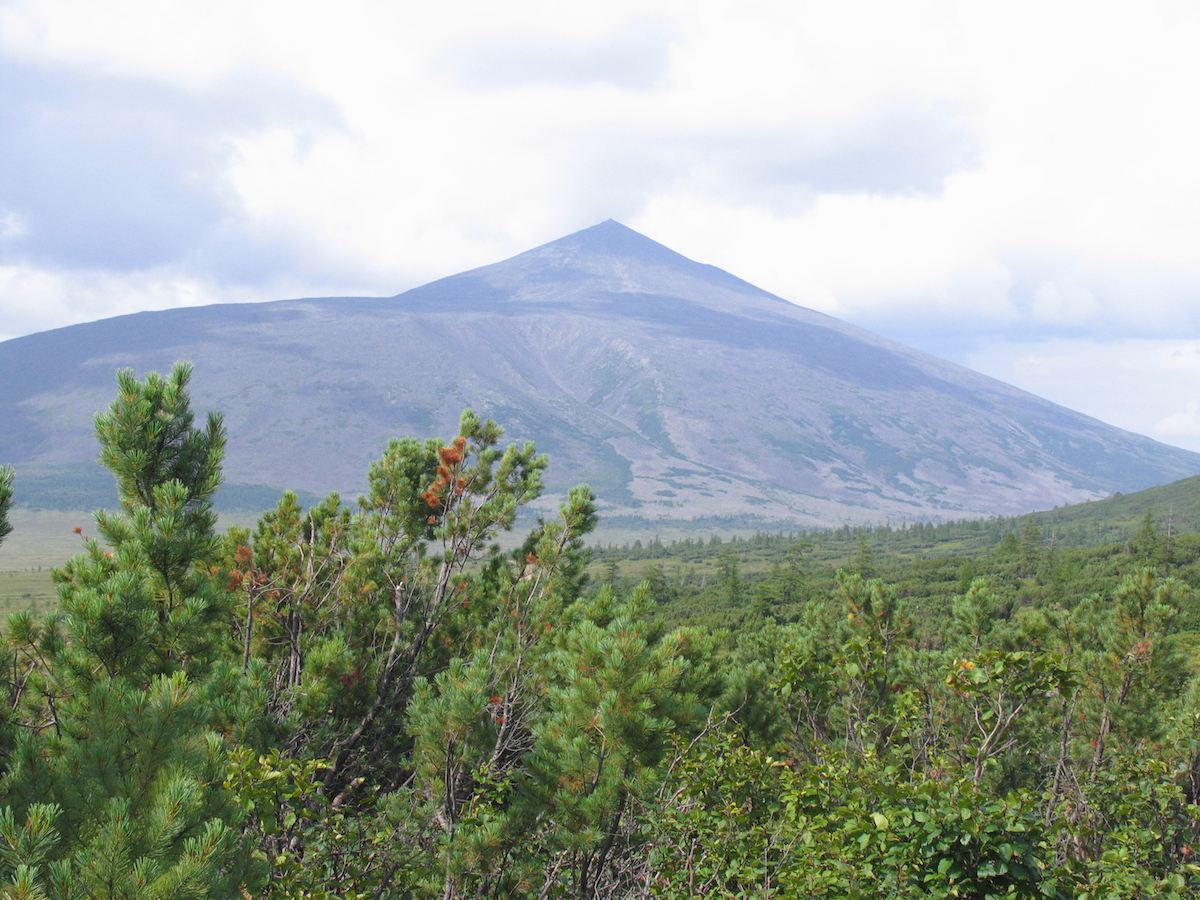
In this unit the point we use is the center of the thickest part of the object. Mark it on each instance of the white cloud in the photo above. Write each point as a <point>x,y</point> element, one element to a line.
<point>1063,301</point>
<point>43,299</point>
<point>1143,385</point>
<point>635,57</point>
<point>1183,427</point>
<point>12,226</point>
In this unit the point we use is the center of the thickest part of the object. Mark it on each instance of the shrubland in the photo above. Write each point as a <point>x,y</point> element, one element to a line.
<point>376,700</point>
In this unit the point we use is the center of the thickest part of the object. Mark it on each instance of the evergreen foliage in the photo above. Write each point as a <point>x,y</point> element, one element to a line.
<point>6,496</point>
<point>378,701</point>
<point>116,767</point>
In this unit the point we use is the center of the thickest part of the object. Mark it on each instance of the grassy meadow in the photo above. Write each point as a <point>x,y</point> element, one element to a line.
<point>42,540</point>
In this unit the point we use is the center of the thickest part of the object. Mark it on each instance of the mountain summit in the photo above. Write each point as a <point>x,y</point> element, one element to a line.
<point>676,389</point>
<point>600,262</point>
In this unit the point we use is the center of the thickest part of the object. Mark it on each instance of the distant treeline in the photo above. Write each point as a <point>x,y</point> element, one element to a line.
<point>86,486</point>
<point>1175,508</point>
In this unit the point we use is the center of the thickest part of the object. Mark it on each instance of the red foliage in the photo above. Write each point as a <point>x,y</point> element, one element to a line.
<point>448,457</point>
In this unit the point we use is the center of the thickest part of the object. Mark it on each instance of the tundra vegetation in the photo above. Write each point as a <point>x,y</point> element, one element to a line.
<point>375,700</point>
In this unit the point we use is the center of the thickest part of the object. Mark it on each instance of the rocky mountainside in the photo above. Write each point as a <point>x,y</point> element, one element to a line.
<point>675,389</point>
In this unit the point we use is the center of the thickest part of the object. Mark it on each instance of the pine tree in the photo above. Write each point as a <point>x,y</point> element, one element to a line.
<point>863,562</point>
<point>729,580</point>
<point>620,688</point>
<point>117,776</point>
<point>1030,549</point>
<point>409,660</point>
<point>1146,543</point>
<point>6,494</point>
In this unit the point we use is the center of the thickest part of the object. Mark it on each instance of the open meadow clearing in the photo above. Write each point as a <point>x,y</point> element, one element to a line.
<point>40,540</point>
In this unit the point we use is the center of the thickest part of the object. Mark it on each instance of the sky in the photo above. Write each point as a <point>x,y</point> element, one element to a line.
<point>1012,186</point>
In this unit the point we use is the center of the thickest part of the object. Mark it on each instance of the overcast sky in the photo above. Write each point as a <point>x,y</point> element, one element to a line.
<point>1014,186</point>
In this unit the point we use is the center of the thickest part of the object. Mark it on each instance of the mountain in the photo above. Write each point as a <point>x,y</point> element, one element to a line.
<point>677,390</point>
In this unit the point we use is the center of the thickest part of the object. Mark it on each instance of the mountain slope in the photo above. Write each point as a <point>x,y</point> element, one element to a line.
<point>676,389</point>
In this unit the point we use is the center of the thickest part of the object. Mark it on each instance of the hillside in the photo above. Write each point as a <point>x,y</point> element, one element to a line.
<point>681,393</point>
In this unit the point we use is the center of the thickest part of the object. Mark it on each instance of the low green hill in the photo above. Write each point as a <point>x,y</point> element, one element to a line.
<point>1175,507</point>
